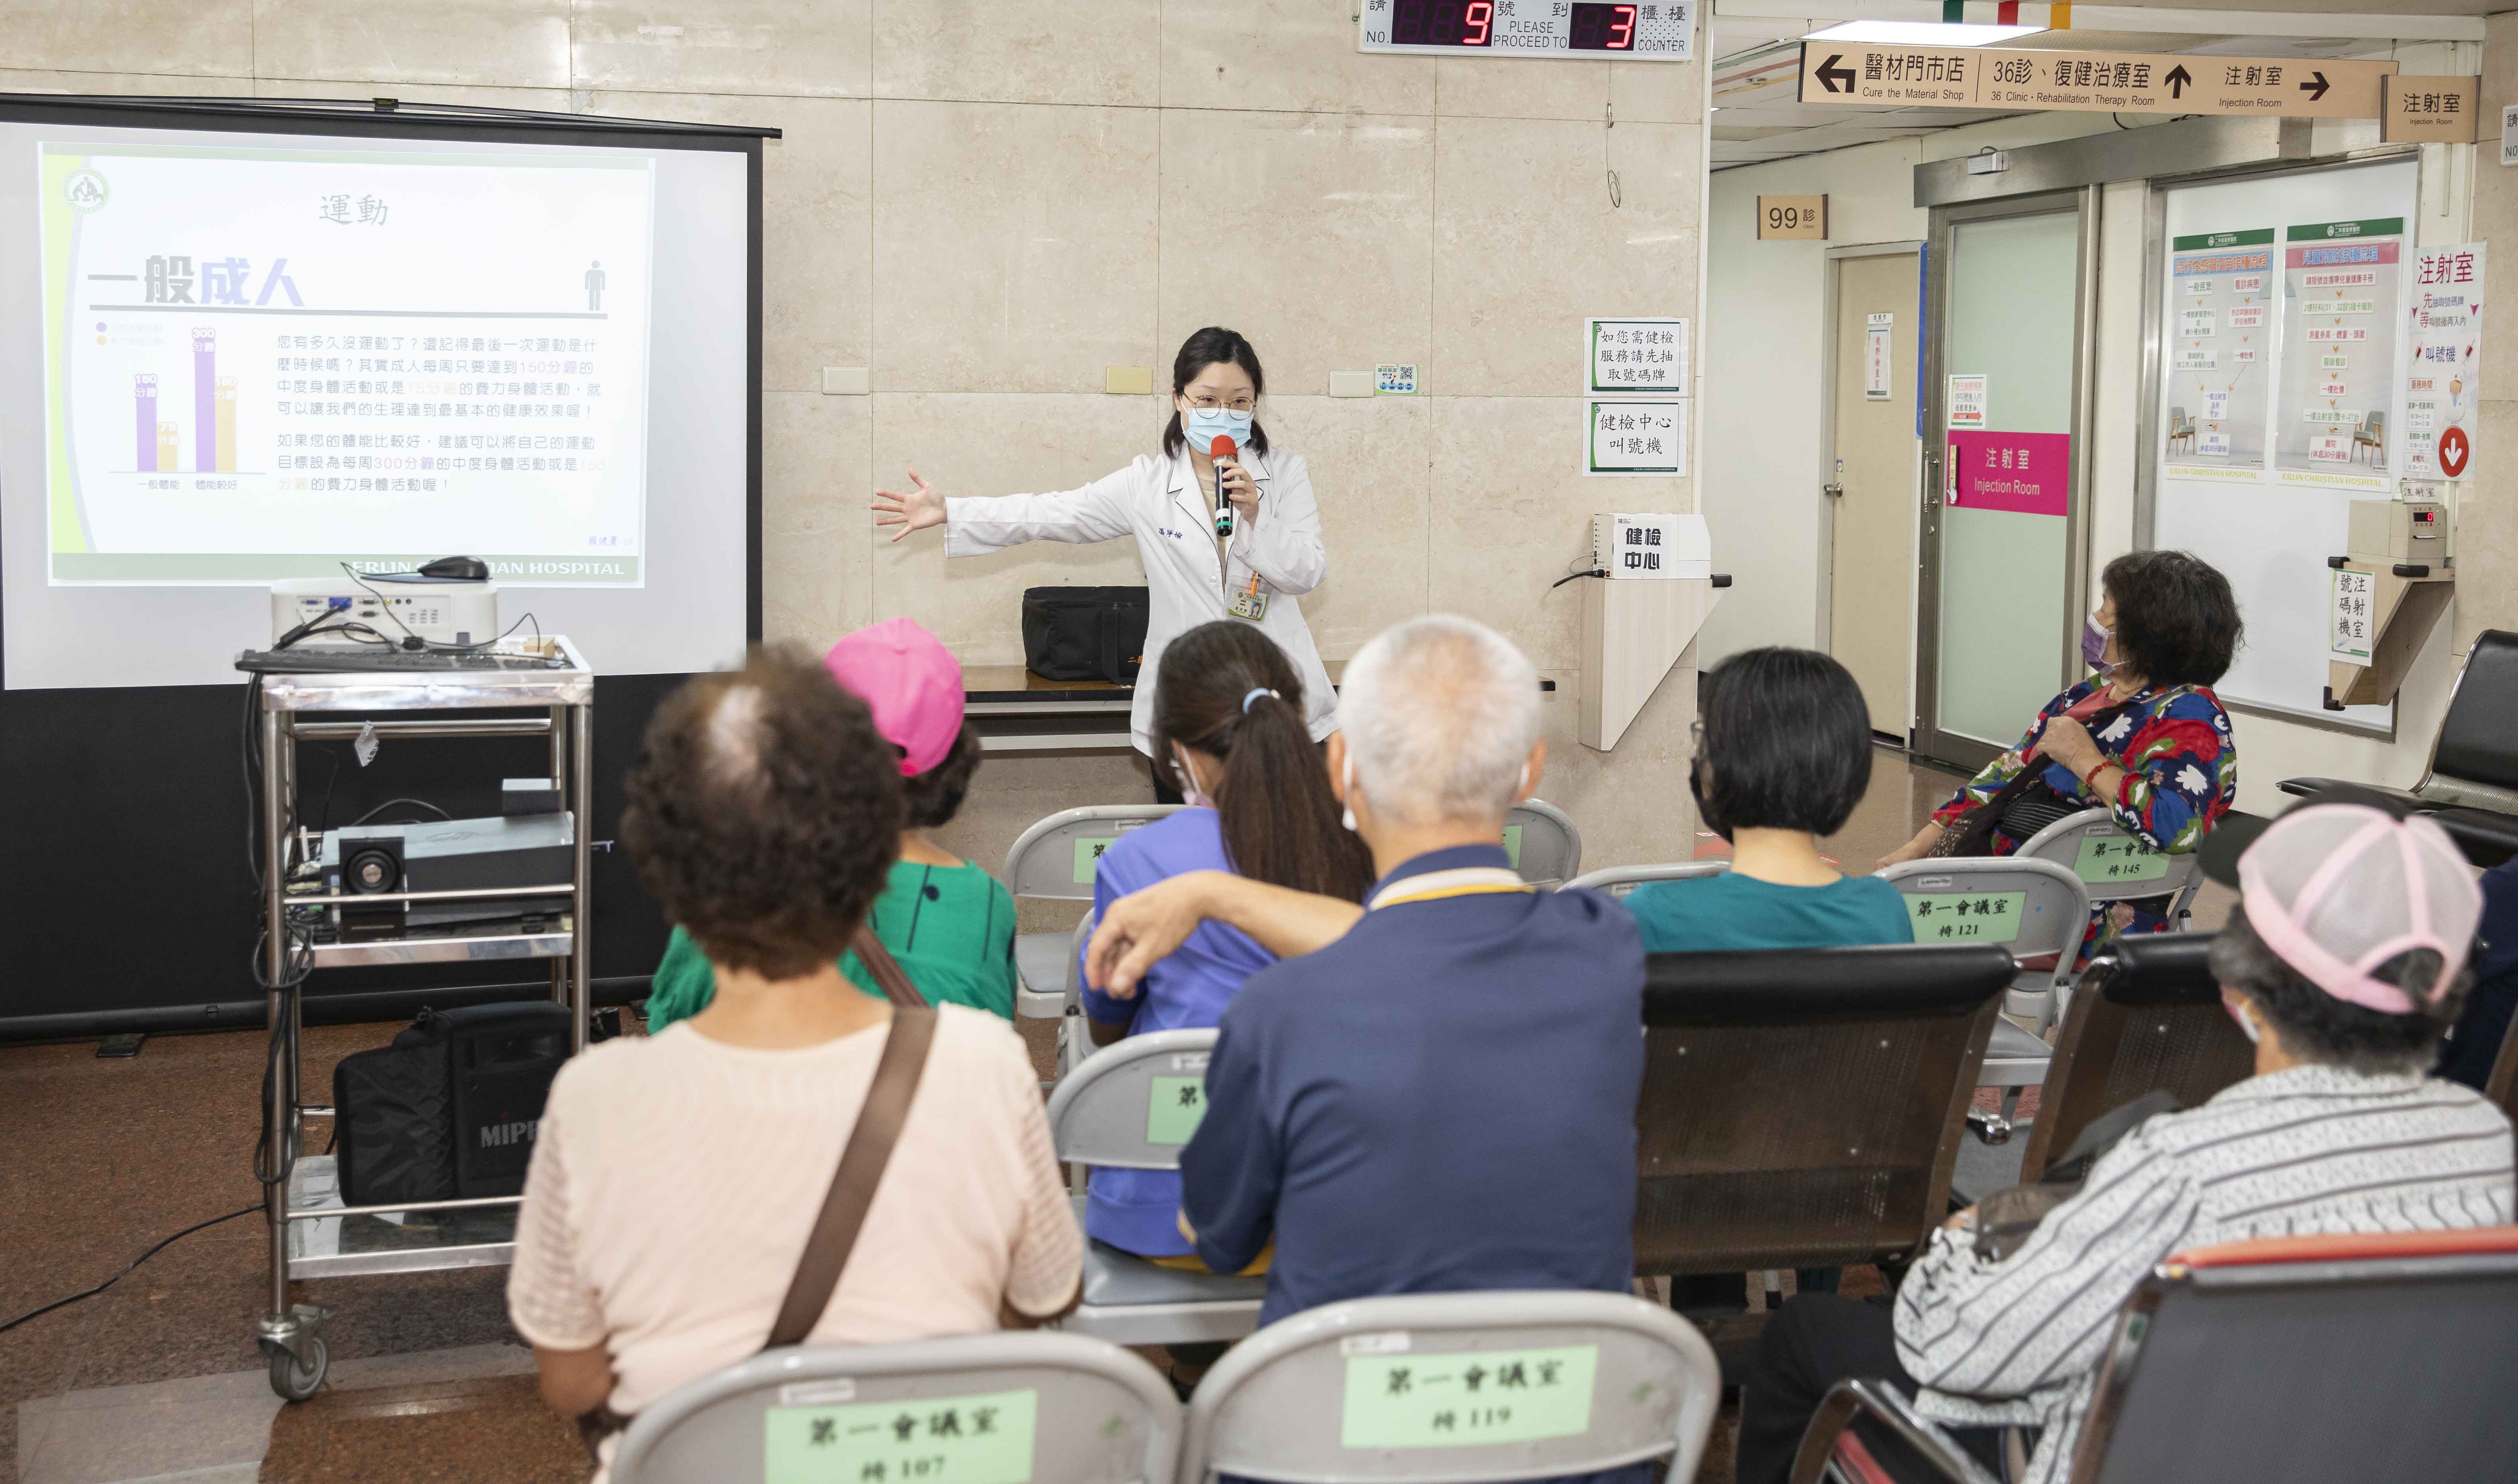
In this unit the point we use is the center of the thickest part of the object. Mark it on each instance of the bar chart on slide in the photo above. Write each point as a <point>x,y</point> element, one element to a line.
<point>158,444</point>
<point>264,363</point>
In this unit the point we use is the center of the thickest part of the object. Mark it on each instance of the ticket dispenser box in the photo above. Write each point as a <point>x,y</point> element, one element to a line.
<point>2400,531</point>
<point>1656,583</point>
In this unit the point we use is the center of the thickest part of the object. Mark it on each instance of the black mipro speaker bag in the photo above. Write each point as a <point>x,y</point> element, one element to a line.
<point>449,1110</point>
<point>1085,634</point>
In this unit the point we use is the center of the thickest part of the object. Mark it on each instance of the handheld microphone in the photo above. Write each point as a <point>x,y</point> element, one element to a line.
<point>1221,449</point>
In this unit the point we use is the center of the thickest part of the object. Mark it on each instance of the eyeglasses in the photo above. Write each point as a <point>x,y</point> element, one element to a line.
<point>1207,403</point>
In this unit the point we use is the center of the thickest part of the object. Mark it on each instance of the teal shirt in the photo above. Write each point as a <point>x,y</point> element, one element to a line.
<point>1711,913</point>
<point>952,928</point>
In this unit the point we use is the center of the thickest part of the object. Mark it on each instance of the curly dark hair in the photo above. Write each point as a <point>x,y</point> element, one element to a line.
<point>764,813</point>
<point>2176,621</point>
<point>933,798</point>
<point>2315,1024</point>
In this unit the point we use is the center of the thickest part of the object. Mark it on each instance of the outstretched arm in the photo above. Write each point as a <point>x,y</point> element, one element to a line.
<point>1142,929</point>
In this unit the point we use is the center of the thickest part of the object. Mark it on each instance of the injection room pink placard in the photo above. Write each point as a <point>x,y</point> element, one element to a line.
<point>2028,473</point>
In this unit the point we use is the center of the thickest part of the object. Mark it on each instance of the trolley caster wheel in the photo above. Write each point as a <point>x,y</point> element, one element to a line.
<point>294,1379</point>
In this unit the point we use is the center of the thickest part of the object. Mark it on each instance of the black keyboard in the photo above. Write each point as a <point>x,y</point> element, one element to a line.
<point>330,660</point>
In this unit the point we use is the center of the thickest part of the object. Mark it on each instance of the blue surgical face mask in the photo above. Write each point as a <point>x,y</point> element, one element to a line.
<point>2094,645</point>
<point>1202,424</point>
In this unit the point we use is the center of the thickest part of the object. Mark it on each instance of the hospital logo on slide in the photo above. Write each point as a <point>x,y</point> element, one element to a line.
<point>85,191</point>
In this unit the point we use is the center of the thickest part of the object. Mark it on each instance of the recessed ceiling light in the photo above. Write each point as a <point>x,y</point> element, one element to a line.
<point>1921,33</point>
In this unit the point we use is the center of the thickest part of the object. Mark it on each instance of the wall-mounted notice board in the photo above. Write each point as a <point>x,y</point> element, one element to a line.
<point>2281,399</point>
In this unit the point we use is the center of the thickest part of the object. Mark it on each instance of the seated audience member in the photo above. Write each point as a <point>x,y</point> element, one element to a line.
<point>948,922</point>
<point>1228,721</point>
<point>1783,755</point>
<point>1440,1093</point>
<point>2474,1046</point>
<point>2156,750</point>
<point>2344,962</point>
<point>676,1177</point>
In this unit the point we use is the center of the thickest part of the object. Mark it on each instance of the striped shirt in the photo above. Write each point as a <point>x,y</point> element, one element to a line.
<point>2305,1152</point>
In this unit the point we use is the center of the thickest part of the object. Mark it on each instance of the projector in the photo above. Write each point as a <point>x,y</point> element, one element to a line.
<point>442,613</point>
<point>448,855</point>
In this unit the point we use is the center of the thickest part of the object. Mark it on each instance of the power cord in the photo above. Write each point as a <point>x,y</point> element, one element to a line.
<point>1572,576</point>
<point>128,1268</point>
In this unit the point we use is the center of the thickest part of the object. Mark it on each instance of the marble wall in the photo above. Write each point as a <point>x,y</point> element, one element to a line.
<point>985,203</point>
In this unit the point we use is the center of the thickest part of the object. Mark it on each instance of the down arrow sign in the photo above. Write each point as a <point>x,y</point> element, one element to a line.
<point>2315,87</point>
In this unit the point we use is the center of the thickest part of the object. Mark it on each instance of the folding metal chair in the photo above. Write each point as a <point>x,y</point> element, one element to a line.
<point>1621,882</point>
<point>1012,1406</point>
<point>1457,1386</point>
<point>2311,1360</point>
<point>2035,908</point>
<point>1544,846</point>
<point>1055,861</point>
<point>1133,1106</point>
<point>2115,866</point>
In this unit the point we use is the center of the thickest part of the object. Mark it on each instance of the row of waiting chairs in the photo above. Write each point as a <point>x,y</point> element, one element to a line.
<point>2309,1360</point>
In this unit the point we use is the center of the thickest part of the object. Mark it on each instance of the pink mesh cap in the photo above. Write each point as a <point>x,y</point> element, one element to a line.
<point>911,682</point>
<point>2336,889</point>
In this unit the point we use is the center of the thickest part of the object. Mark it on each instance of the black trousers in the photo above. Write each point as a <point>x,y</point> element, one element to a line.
<point>1814,1341</point>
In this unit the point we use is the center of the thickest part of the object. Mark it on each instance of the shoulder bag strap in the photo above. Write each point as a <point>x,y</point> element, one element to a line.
<point>861,1165</point>
<point>887,970</point>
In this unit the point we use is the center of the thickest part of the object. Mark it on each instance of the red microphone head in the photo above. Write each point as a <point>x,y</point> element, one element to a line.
<point>1222,447</point>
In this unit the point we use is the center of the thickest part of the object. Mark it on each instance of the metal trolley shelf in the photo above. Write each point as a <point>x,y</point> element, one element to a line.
<point>313,1233</point>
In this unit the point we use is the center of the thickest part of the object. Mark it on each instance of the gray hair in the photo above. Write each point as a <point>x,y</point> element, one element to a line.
<point>2315,1026</point>
<point>1440,713</point>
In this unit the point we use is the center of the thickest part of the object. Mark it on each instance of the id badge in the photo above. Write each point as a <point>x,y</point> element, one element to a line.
<point>1249,604</point>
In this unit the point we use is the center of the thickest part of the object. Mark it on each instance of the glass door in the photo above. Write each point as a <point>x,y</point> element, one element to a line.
<point>2009,289</point>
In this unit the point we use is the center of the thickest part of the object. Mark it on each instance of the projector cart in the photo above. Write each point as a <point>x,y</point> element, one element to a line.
<point>313,1233</point>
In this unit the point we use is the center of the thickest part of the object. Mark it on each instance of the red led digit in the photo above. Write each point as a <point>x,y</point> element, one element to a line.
<point>1622,27</point>
<point>1479,20</point>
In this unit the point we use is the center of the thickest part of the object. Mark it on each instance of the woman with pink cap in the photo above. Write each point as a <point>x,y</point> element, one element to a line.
<point>2344,963</point>
<point>949,923</point>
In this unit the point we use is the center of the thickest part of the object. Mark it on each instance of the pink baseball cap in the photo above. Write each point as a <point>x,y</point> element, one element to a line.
<point>2336,889</point>
<point>911,682</point>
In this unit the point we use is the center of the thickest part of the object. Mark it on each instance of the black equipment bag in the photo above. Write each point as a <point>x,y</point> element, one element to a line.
<point>449,1110</point>
<point>1085,634</point>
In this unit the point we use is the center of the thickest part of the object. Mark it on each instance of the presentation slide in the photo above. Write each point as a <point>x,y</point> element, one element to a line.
<point>234,354</point>
<point>260,364</point>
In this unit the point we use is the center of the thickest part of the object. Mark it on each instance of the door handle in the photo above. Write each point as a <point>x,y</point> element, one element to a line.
<point>1832,491</point>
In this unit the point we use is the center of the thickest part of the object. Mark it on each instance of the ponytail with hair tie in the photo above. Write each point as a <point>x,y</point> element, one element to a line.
<point>1256,692</point>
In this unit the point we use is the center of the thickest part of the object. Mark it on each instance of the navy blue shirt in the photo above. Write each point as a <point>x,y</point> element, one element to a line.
<point>2475,1044</point>
<point>1441,1099</point>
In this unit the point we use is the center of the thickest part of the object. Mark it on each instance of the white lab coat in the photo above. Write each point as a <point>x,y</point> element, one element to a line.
<point>1162,503</point>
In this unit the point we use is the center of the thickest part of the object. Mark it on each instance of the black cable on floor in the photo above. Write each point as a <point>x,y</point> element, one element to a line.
<point>127,1271</point>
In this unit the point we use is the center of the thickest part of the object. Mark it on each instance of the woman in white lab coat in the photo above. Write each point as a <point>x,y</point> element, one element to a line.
<point>1167,502</point>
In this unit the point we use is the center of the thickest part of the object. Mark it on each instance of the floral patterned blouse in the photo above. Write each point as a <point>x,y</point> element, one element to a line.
<point>2181,775</point>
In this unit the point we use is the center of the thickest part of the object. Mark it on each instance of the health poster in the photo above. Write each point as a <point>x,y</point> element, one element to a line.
<point>2342,282</point>
<point>2220,337</point>
<point>2444,317</point>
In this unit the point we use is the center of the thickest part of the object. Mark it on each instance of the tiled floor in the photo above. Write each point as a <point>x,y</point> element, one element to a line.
<point>158,1378</point>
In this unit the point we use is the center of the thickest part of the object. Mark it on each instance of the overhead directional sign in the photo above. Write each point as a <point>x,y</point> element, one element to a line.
<point>2089,82</point>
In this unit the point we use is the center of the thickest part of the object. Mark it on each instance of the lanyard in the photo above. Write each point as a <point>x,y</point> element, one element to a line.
<point>1466,881</point>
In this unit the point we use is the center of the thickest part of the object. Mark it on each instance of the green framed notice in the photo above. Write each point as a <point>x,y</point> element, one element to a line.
<point>979,1439</point>
<point>1466,1399</point>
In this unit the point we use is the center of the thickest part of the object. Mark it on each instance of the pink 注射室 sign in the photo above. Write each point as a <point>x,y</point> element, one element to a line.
<point>2026,472</point>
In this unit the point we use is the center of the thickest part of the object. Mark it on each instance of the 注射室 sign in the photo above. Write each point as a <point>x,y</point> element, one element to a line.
<point>2026,473</point>
<point>1643,355</point>
<point>1637,438</point>
<point>1865,73</point>
<point>2349,596</point>
<point>2444,317</point>
<point>2430,111</point>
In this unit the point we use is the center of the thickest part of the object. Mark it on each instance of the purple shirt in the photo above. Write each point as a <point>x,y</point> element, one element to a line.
<point>1137,1210</point>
